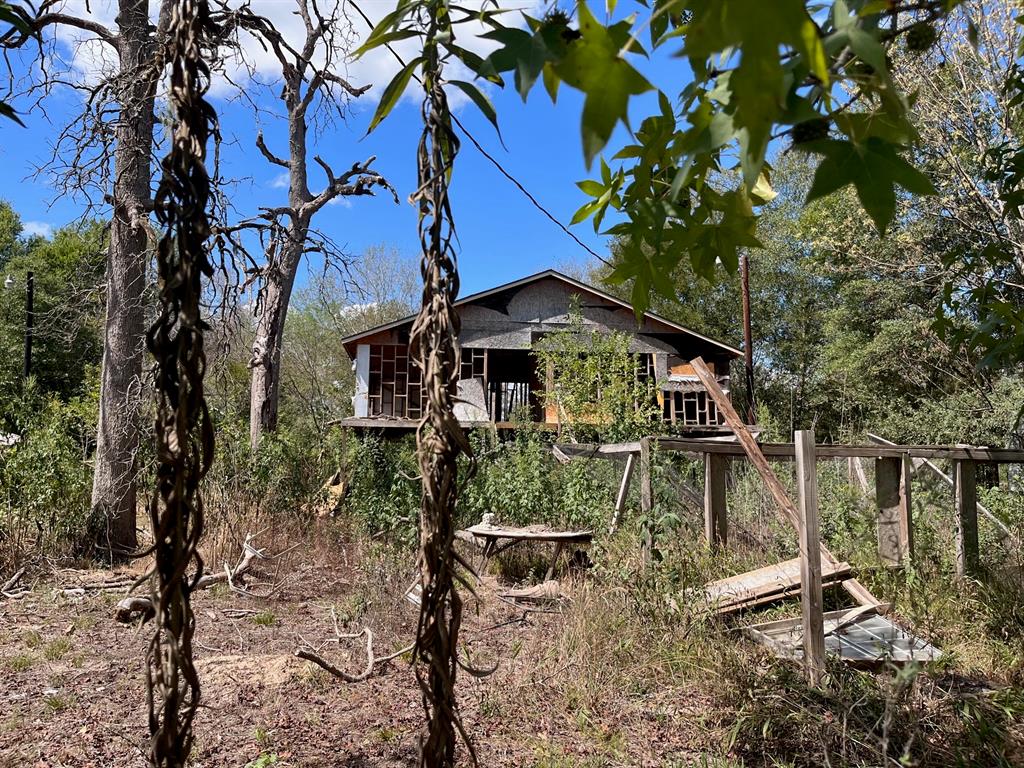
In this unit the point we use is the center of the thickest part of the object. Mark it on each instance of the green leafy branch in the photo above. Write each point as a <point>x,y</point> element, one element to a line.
<point>691,178</point>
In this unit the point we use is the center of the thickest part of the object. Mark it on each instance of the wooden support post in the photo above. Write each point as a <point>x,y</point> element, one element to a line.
<point>715,518</point>
<point>811,598</point>
<point>646,499</point>
<point>892,495</point>
<point>620,500</point>
<point>965,492</point>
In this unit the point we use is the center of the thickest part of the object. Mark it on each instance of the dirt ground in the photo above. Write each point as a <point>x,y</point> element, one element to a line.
<point>74,691</point>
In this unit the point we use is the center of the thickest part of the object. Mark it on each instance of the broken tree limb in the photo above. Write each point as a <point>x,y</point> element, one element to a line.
<point>309,655</point>
<point>788,509</point>
<point>307,652</point>
<point>12,582</point>
<point>249,554</point>
<point>132,606</point>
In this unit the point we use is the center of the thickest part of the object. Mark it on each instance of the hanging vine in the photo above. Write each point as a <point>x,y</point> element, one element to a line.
<point>439,438</point>
<point>184,432</point>
<point>434,345</point>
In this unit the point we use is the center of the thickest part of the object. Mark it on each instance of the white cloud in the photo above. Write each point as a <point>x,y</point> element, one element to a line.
<point>280,181</point>
<point>40,228</point>
<point>90,60</point>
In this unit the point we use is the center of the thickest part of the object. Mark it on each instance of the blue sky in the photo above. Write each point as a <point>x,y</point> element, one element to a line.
<point>501,235</point>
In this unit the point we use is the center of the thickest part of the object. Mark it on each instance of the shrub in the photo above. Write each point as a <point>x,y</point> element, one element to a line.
<point>45,482</point>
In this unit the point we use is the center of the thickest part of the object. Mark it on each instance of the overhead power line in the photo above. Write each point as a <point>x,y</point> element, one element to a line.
<point>494,161</point>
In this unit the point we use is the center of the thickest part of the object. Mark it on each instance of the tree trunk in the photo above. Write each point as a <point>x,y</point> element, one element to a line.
<point>113,490</point>
<point>265,388</point>
<point>279,277</point>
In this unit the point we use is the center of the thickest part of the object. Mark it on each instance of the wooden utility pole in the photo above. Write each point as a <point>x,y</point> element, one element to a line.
<point>29,315</point>
<point>810,558</point>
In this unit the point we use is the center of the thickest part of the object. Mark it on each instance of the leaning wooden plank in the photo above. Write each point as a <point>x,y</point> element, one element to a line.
<point>620,500</point>
<point>789,511</point>
<point>560,455</point>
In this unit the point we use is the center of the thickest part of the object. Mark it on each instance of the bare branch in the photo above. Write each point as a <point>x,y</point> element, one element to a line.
<point>261,145</point>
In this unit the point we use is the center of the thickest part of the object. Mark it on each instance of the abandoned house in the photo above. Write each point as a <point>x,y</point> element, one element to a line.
<point>499,378</point>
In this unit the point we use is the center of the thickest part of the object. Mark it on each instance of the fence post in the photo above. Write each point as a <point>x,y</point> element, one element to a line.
<point>965,492</point>
<point>646,499</point>
<point>892,497</point>
<point>716,524</point>
<point>810,558</point>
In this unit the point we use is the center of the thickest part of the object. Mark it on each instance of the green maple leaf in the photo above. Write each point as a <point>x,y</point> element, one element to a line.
<point>759,84</point>
<point>874,167</point>
<point>593,65</point>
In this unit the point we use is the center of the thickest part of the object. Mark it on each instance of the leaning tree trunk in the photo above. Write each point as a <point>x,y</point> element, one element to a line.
<point>113,490</point>
<point>272,311</point>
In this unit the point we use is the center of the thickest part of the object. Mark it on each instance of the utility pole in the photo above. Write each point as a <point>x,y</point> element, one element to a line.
<point>29,296</point>
<point>748,348</point>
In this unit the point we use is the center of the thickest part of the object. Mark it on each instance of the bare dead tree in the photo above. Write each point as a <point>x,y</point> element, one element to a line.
<point>311,87</point>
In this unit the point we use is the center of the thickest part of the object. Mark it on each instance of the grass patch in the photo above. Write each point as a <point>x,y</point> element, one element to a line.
<point>56,649</point>
<point>264,619</point>
<point>32,639</point>
<point>19,662</point>
<point>58,703</point>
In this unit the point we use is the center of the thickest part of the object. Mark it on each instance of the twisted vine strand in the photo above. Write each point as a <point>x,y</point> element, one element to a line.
<point>439,438</point>
<point>184,432</point>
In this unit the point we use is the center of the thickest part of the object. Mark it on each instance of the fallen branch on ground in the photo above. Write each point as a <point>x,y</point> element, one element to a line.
<point>130,607</point>
<point>307,652</point>
<point>8,588</point>
<point>133,606</point>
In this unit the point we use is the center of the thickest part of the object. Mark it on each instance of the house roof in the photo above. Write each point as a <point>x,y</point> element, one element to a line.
<point>347,341</point>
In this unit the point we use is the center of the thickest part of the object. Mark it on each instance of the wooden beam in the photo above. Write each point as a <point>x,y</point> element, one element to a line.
<point>788,510</point>
<point>716,526</point>
<point>784,451</point>
<point>855,473</point>
<point>906,507</point>
<point>811,599</point>
<point>620,500</point>
<point>646,499</point>
<point>966,501</point>
<point>598,451</point>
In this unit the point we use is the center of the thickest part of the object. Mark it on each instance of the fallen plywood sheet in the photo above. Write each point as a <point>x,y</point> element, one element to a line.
<point>768,583</point>
<point>861,637</point>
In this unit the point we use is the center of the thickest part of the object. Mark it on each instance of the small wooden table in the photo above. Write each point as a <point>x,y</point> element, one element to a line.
<point>509,537</point>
